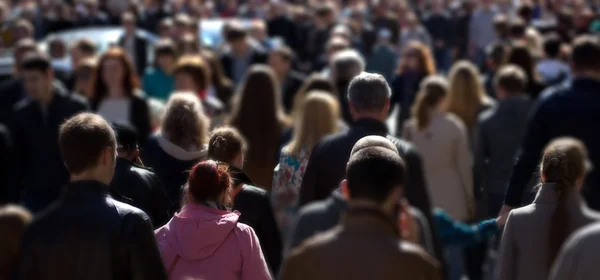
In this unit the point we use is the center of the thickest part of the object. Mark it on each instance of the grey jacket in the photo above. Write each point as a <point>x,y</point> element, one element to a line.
<point>578,258</point>
<point>524,251</point>
<point>499,133</point>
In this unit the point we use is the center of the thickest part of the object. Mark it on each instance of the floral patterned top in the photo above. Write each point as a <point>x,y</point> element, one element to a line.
<point>287,180</point>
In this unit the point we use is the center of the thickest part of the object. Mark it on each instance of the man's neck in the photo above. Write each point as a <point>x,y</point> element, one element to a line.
<point>86,176</point>
<point>373,116</point>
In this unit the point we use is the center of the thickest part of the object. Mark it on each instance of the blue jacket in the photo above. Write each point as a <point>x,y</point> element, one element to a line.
<point>571,110</point>
<point>453,232</point>
<point>158,84</point>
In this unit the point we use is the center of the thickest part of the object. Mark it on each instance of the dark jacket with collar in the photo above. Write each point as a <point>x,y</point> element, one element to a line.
<point>144,190</point>
<point>258,56</point>
<point>255,207</point>
<point>141,52</point>
<point>366,245</point>
<point>7,175</point>
<point>99,237</point>
<point>41,173</point>
<point>290,87</point>
<point>572,110</point>
<point>139,114</point>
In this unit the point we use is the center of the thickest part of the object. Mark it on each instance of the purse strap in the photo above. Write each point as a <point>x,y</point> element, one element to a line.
<point>172,266</point>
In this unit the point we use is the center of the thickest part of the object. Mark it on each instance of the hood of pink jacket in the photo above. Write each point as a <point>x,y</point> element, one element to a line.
<point>197,231</point>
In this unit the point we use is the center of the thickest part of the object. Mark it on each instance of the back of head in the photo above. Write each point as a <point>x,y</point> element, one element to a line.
<point>586,54</point>
<point>127,138</point>
<point>82,140</point>
<point>433,90</point>
<point>373,141</point>
<point>369,92</point>
<point>466,93</point>
<point>552,45</point>
<point>225,144</point>
<point>512,79</point>
<point>318,119</point>
<point>346,64</point>
<point>497,54</point>
<point>235,32</point>
<point>373,173</point>
<point>184,123</point>
<point>564,163</point>
<point>208,182</point>
<point>36,62</point>
<point>313,82</point>
<point>13,222</point>
<point>521,55</point>
<point>197,68</point>
<point>86,46</point>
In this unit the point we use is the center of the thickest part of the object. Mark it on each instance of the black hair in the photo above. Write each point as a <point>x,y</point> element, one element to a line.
<point>586,51</point>
<point>235,32</point>
<point>36,62</point>
<point>497,53</point>
<point>552,46</point>
<point>285,52</point>
<point>373,172</point>
<point>165,47</point>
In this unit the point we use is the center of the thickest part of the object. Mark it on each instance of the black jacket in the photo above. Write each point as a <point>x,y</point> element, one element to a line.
<point>255,207</point>
<point>283,27</point>
<point>41,173</point>
<point>404,93</point>
<point>139,115</point>
<point>144,190</point>
<point>89,235</point>
<point>7,175</point>
<point>259,56</point>
<point>141,52</point>
<point>291,85</point>
<point>11,92</point>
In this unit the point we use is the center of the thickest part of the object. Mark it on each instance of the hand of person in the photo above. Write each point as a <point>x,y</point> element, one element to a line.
<point>505,210</point>
<point>501,220</point>
<point>407,224</point>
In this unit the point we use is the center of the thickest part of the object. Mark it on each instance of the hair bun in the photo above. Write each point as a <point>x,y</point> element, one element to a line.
<point>220,142</point>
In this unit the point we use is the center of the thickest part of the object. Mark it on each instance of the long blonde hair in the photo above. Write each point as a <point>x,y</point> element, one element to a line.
<point>319,118</point>
<point>184,123</point>
<point>466,95</point>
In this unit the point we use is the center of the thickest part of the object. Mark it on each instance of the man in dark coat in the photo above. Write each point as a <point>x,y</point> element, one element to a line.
<point>241,53</point>
<point>135,182</point>
<point>87,234</point>
<point>281,59</point>
<point>11,91</point>
<point>7,175</point>
<point>41,173</point>
<point>135,45</point>
<point>280,25</point>
<point>572,110</point>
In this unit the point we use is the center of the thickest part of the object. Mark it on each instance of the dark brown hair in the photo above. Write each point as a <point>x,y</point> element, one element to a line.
<point>13,222</point>
<point>520,55</point>
<point>433,90</point>
<point>222,83</point>
<point>584,48</point>
<point>130,79</point>
<point>314,82</point>
<point>82,139</point>
<point>423,54</point>
<point>564,161</point>
<point>86,46</point>
<point>225,144</point>
<point>195,66</point>
<point>207,181</point>
<point>512,79</point>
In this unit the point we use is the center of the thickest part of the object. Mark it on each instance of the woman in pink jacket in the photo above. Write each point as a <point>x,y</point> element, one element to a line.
<point>205,240</point>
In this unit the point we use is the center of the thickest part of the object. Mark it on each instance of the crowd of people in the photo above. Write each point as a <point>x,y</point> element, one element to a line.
<point>436,139</point>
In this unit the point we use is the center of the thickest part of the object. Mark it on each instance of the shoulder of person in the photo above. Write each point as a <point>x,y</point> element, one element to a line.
<point>316,242</point>
<point>22,106</point>
<point>418,253</point>
<point>255,192</point>
<point>455,120</point>
<point>486,115</point>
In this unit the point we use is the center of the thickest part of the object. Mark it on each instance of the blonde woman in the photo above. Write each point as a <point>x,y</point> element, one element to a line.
<point>467,98</point>
<point>181,142</point>
<point>319,118</point>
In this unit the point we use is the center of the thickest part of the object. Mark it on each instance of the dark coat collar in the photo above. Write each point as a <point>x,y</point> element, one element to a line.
<point>87,187</point>
<point>239,177</point>
<point>369,221</point>
<point>371,126</point>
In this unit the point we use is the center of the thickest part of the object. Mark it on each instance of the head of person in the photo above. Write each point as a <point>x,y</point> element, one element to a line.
<point>314,82</point>
<point>227,145</point>
<point>510,81</point>
<point>375,176</point>
<point>466,93</point>
<point>166,28</point>
<point>127,141</point>
<point>501,26</point>
<point>13,222</point>
<point>318,119</point>
<point>165,55</point>
<point>82,49</point>
<point>525,11</point>
<point>184,123</point>
<point>335,45</point>
<point>23,29</point>
<point>181,24</point>
<point>84,76</point>
<point>517,29</point>
<point>192,74</point>
<point>437,6</point>
<point>22,49</point>
<point>369,97</point>
<point>188,44</point>
<point>564,166</point>
<point>88,147</point>
<point>585,56</point>
<point>209,181</point>
<point>495,56</point>
<point>430,98</point>
<point>115,73</point>
<point>324,14</point>
<point>281,59</point>
<point>218,77</point>
<point>345,65</point>
<point>411,20</point>
<point>552,46</point>
<point>258,30</point>
<point>521,55</point>
<point>57,48</point>
<point>486,4</point>
<point>417,57</point>
<point>237,39</point>
<point>128,20</point>
<point>37,77</point>
<point>341,31</point>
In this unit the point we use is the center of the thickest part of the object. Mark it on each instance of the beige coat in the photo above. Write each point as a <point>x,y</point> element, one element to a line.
<point>444,146</point>
<point>578,258</point>
<point>524,251</point>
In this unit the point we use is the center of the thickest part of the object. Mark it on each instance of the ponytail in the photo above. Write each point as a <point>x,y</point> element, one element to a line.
<point>433,90</point>
<point>225,144</point>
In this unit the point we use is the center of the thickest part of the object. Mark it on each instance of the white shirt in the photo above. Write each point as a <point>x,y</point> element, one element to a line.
<point>129,46</point>
<point>115,109</point>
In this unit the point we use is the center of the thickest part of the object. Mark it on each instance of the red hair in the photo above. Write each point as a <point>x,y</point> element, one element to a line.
<point>207,181</point>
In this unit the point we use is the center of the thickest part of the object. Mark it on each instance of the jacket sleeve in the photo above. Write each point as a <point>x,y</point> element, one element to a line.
<point>144,258</point>
<point>254,266</point>
<point>269,232</point>
<point>159,202</point>
<point>290,269</point>
<point>28,268</point>
<point>464,163</point>
<point>416,189</point>
<point>456,233</point>
<point>309,181</point>
<point>507,260</point>
<point>573,260</point>
<point>480,158</point>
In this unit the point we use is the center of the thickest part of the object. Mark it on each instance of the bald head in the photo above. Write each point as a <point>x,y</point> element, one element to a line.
<point>373,141</point>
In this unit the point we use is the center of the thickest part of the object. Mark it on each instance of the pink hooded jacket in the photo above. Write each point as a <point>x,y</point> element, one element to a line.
<point>206,243</point>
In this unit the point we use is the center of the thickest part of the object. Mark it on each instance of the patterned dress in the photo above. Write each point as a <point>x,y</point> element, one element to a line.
<point>287,180</point>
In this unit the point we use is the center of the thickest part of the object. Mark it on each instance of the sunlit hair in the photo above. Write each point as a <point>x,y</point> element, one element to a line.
<point>466,95</point>
<point>319,118</point>
<point>196,67</point>
<point>13,222</point>
<point>423,54</point>
<point>433,90</point>
<point>130,79</point>
<point>184,123</point>
<point>313,82</point>
<point>207,182</point>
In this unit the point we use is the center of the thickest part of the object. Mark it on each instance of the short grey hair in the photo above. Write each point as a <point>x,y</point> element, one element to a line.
<point>369,92</point>
<point>347,64</point>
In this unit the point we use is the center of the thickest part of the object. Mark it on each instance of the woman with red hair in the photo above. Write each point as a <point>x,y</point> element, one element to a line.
<point>116,95</point>
<point>205,240</point>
